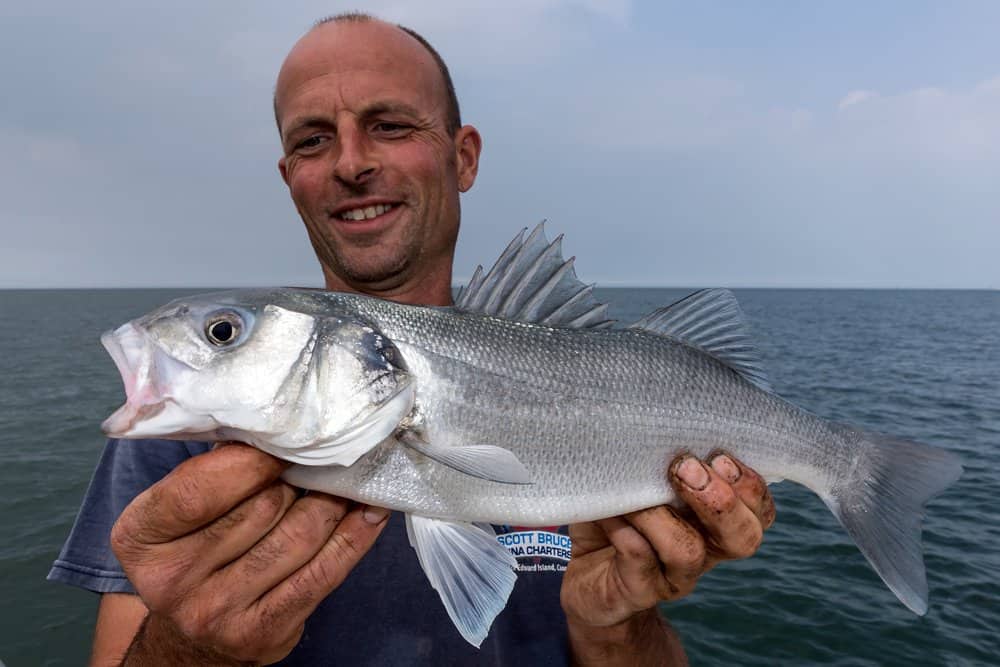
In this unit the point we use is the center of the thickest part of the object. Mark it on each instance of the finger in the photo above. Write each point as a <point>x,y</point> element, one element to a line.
<point>748,485</point>
<point>197,492</point>
<point>679,547</point>
<point>291,602</point>
<point>636,563</point>
<point>587,537</point>
<point>733,529</point>
<point>297,537</point>
<point>234,533</point>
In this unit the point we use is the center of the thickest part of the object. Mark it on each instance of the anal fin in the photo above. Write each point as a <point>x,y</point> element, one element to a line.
<point>470,570</point>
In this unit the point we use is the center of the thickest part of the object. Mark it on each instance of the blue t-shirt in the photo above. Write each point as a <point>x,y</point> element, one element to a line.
<point>385,612</point>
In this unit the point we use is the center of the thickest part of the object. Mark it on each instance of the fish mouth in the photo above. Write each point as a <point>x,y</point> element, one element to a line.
<point>149,410</point>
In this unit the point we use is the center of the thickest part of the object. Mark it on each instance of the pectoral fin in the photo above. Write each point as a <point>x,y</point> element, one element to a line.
<point>470,570</point>
<point>495,464</point>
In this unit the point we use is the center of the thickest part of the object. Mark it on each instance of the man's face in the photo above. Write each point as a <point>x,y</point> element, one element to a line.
<point>368,158</point>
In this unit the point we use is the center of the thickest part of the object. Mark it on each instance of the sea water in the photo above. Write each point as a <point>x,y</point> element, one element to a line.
<point>923,365</point>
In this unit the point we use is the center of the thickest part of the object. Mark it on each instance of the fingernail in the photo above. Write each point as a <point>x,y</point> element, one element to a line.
<point>726,467</point>
<point>375,515</point>
<point>693,473</point>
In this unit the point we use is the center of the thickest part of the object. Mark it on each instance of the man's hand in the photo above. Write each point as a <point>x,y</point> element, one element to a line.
<point>622,566</point>
<point>230,560</point>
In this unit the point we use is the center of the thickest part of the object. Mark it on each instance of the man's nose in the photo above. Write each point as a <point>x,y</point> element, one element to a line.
<point>357,161</point>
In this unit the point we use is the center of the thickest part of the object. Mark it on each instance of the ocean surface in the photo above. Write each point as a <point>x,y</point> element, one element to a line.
<point>919,364</point>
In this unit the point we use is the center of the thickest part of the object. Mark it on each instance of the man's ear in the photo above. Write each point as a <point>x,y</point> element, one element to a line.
<point>282,168</point>
<point>468,146</point>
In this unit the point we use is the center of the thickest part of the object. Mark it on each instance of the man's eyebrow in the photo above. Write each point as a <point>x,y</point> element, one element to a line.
<point>306,122</point>
<point>389,107</point>
<point>312,121</point>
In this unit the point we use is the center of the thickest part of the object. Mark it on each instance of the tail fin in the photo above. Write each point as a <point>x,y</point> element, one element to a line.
<point>882,506</point>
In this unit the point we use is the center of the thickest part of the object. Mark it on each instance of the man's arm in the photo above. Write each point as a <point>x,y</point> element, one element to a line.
<point>623,566</point>
<point>118,619</point>
<point>229,561</point>
<point>645,640</point>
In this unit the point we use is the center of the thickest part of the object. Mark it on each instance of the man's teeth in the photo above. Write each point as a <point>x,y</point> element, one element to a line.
<point>365,213</point>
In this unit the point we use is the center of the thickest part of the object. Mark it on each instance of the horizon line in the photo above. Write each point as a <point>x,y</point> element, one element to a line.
<point>455,286</point>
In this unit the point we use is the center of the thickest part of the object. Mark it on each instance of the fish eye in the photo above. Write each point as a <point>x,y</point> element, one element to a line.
<point>223,329</point>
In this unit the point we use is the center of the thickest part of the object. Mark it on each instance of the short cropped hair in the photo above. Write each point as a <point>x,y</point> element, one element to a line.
<point>453,117</point>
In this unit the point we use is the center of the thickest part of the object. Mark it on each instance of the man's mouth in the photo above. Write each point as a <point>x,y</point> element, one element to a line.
<point>365,212</point>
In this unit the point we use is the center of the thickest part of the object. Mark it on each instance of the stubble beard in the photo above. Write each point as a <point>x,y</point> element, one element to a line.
<point>372,261</point>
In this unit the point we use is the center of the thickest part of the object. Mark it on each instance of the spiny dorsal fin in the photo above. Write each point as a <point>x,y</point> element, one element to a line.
<point>531,282</point>
<point>712,321</point>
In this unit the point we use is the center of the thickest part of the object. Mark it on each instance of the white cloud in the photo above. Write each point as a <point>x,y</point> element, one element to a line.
<point>928,123</point>
<point>665,112</point>
<point>856,97</point>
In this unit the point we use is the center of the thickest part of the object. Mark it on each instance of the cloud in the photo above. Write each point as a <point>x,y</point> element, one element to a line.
<point>856,97</point>
<point>140,149</point>
<point>924,123</point>
<point>661,111</point>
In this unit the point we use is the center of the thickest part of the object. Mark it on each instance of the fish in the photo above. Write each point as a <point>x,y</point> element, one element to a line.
<point>521,404</point>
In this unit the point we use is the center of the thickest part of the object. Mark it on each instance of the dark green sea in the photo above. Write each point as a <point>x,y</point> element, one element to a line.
<point>924,365</point>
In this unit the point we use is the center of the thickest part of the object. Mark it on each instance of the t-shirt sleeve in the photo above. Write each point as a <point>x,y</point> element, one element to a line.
<point>126,469</point>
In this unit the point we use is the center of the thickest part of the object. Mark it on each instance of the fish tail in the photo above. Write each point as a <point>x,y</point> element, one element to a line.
<point>881,505</point>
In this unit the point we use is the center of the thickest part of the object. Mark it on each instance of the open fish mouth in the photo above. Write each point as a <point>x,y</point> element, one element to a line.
<point>149,409</point>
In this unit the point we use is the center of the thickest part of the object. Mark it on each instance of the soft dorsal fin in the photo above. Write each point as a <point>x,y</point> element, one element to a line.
<point>531,282</point>
<point>712,321</point>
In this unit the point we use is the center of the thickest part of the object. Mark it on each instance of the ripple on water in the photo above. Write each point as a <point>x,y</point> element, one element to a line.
<point>921,364</point>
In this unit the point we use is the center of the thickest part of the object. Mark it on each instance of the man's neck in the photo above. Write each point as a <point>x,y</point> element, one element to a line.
<point>431,290</point>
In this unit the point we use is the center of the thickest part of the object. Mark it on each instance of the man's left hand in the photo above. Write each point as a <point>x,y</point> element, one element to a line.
<point>623,566</point>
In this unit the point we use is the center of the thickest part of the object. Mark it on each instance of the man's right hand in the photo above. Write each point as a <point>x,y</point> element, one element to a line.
<point>230,560</point>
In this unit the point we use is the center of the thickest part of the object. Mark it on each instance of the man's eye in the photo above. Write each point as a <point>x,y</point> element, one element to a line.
<point>310,142</point>
<point>385,127</point>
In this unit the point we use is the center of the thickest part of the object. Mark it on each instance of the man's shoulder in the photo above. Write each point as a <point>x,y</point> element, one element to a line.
<point>128,467</point>
<point>154,452</point>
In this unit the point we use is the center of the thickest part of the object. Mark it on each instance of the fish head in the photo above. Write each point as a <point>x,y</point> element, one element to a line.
<point>273,370</point>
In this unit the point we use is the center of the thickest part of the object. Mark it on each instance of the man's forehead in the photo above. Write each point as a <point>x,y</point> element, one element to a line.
<point>358,51</point>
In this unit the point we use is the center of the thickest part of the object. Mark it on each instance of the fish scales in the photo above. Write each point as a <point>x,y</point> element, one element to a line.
<point>597,415</point>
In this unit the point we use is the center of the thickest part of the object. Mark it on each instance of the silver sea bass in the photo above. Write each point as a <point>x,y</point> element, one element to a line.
<point>519,405</point>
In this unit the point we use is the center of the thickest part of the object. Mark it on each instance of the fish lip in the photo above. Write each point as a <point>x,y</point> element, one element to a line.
<point>141,402</point>
<point>112,344</point>
<point>122,421</point>
<point>352,204</point>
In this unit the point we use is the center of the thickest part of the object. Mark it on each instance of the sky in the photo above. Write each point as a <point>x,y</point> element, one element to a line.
<point>767,144</point>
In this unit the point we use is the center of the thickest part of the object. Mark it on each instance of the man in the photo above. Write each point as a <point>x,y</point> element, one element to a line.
<point>231,565</point>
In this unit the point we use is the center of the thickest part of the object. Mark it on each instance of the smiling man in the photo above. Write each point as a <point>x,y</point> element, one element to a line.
<point>375,158</point>
<point>217,561</point>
